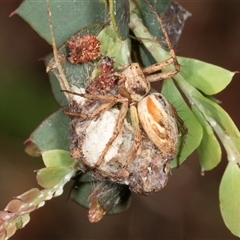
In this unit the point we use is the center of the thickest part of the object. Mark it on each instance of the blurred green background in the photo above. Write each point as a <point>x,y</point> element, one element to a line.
<point>188,207</point>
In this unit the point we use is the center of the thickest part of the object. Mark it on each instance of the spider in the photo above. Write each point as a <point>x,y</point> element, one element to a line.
<point>156,116</point>
<point>136,111</point>
<point>152,118</point>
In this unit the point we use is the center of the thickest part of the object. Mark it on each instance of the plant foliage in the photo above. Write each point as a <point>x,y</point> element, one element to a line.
<point>112,21</point>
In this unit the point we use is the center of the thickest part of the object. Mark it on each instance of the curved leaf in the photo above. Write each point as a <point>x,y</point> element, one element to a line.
<point>219,119</point>
<point>57,158</point>
<point>229,194</point>
<point>51,176</point>
<point>222,124</point>
<point>206,77</point>
<point>209,150</point>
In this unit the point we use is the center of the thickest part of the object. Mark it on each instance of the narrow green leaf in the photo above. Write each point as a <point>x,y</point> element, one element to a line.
<point>67,16</point>
<point>51,176</point>
<point>120,15</point>
<point>209,150</point>
<point>206,77</point>
<point>229,194</point>
<point>194,136</point>
<point>52,133</point>
<point>57,158</point>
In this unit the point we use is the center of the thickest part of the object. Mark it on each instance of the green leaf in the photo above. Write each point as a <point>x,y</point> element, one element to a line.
<point>51,176</point>
<point>194,136</point>
<point>206,77</point>
<point>209,150</point>
<point>216,116</point>
<point>119,13</point>
<point>52,133</point>
<point>67,16</point>
<point>112,46</point>
<point>57,158</point>
<point>229,194</point>
<point>222,124</point>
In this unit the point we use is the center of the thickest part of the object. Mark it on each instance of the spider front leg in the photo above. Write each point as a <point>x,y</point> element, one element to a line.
<point>172,60</point>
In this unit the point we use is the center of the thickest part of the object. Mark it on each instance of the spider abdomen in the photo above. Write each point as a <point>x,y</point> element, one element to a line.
<point>157,120</point>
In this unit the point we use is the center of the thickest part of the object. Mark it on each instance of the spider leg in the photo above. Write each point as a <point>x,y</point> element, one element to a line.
<point>103,107</point>
<point>183,129</point>
<point>157,66</point>
<point>75,114</point>
<point>117,130</point>
<point>92,96</point>
<point>137,134</point>
<point>62,77</point>
<point>107,103</point>
<point>167,40</point>
<point>161,76</point>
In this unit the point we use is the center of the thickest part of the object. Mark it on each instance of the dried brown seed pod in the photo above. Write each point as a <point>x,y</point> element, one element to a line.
<point>83,48</point>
